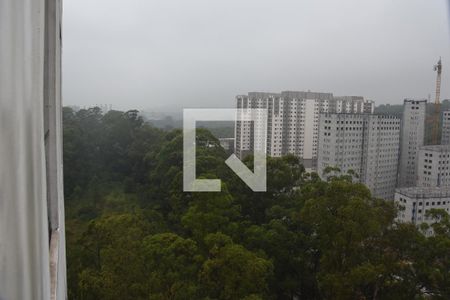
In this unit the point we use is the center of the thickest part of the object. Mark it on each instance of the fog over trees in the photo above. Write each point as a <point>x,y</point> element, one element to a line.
<point>132,233</point>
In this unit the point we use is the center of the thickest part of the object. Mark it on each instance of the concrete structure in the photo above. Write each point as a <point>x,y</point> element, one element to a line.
<point>244,130</point>
<point>367,144</point>
<point>417,201</point>
<point>445,134</point>
<point>412,138</point>
<point>353,104</point>
<point>433,166</point>
<point>32,240</point>
<point>293,121</point>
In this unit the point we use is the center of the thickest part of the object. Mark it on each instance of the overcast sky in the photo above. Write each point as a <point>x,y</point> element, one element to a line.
<point>167,54</point>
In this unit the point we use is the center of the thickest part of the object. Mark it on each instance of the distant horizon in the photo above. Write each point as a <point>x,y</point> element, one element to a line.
<point>177,110</point>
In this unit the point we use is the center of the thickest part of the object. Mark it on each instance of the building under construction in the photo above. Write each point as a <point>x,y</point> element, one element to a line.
<point>437,105</point>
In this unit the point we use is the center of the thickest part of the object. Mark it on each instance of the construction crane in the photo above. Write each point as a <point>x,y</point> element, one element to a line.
<point>437,104</point>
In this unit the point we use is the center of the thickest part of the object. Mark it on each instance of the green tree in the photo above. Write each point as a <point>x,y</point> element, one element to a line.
<point>114,264</point>
<point>132,233</point>
<point>434,259</point>
<point>210,213</point>
<point>352,234</point>
<point>171,265</point>
<point>233,272</point>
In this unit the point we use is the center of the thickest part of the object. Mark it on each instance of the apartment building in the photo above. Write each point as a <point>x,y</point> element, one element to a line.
<point>293,121</point>
<point>445,135</point>
<point>353,104</point>
<point>245,131</point>
<point>417,201</point>
<point>366,144</point>
<point>412,138</point>
<point>433,166</point>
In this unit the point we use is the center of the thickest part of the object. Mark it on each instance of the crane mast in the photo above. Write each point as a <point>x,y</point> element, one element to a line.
<point>437,103</point>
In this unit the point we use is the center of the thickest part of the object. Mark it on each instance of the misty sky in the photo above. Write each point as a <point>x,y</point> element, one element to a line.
<point>167,54</point>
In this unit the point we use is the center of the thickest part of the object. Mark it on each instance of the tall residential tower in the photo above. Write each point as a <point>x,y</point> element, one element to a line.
<point>445,134</point>
<point>293,121</point>
<point>363,143</point>
<point>412,138</point>
<point>433,166</point>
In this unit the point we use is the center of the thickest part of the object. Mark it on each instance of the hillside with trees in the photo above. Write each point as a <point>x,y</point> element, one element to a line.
<point>132,233</point>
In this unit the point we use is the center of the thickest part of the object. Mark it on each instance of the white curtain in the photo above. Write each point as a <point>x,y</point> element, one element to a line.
<point>24,222</point>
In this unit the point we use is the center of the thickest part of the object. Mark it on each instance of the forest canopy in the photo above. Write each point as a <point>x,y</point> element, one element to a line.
<point>132,233</point>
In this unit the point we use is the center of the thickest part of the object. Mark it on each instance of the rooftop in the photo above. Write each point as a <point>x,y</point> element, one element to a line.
<point>424,192</point>
<point>414,100</point>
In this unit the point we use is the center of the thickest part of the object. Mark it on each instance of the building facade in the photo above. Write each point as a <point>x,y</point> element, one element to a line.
<point>366,144</point>
<point>353,104</point>
<point>293,121</point>
<point>433,166</point>
<point>445,134</point>
<point>245,131</point>
<point>417,201</point>
<point>412,138</point>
